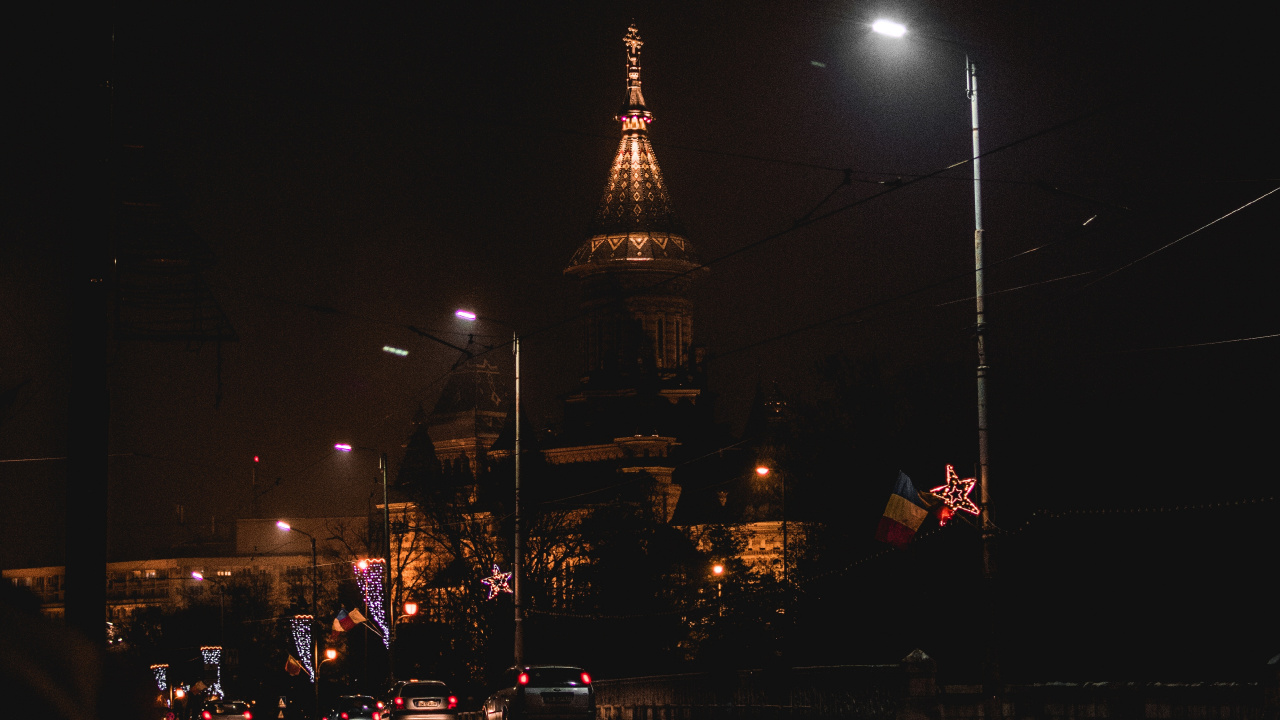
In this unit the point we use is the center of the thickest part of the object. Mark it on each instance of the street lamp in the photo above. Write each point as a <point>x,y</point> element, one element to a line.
<point>386,536</point>
<point>762,472</point>
<point>717,571</point>
<point>517,572</point>
<point>993,685</point>
<point>222,623</point>
<point>315,658</point>
<point>897,30</point>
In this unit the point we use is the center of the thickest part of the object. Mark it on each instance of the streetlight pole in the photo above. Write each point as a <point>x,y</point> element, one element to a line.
<point>898,30</point>
<point>517,562</point>
<point>386,537</point>
<point>386,586</point>
<point>993,685</point>
<point>984,486</point>
<point>315,646</point>
<point>222,620</point>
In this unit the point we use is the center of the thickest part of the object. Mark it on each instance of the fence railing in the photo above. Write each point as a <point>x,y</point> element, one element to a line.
<point>910,691</point>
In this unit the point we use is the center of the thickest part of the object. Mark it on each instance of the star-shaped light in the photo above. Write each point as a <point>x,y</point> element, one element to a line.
<point>955,495</point>
<point>497,582</point>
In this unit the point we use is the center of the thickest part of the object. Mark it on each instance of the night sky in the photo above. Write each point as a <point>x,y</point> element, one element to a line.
<point>356,172</point>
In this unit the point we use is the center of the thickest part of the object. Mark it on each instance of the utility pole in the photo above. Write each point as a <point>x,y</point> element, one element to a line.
<point>386,586</point>
<point>518,565</point>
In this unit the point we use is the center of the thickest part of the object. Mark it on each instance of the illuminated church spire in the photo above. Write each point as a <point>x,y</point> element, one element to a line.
<point>635,220</point>
<point>634,272</point>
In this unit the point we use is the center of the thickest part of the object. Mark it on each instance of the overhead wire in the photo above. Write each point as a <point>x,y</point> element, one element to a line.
<point>1170,244</point>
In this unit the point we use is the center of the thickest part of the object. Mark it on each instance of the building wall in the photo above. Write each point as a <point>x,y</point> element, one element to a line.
<point>261,548</point>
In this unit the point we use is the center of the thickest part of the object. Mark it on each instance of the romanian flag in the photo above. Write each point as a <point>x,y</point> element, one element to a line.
<point>293,666</point>
<point>347,620</point>
<point>903,515</point>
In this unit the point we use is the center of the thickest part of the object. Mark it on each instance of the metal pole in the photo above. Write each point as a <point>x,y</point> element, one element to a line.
<point>517,566</point>
<point>315,641</point>
<point>984,486</point>
<point>386,601</point>
<point>993,685</point>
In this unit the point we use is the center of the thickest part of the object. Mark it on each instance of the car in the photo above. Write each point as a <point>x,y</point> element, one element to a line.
<point>222,710</point>
<point>354,707</point>
<point>543,692</point>
<point>420,700</point>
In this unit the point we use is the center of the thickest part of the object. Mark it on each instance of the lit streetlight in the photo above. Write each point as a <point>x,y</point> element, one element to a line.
<point>890,28</point>
<point>897,30</point>
<point>386,536</point>
<point>717,571</point>
<point>222,623</point>
<point>315,658</point>
<point>993,685</point>
<point>517,563</point>
<point>762,472</point>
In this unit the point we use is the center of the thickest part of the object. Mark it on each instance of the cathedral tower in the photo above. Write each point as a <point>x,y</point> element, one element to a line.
<point>634,273</point>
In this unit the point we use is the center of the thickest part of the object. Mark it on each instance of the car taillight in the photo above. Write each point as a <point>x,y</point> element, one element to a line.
<point>380,706</point>
<point>586,679</point>
<point>206,715</point>
<point>377,715</point>
<point>346,716</point>
<point>248,715</point>
<point>399,702</point>
<point>523,679</point>
<point>453,701</point>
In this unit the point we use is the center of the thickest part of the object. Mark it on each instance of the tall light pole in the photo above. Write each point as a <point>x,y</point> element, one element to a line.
<point>897,30</point>
<point>222,623</point>
<point>386,537</point>
<point>517,552</point>
<point>315,647</point>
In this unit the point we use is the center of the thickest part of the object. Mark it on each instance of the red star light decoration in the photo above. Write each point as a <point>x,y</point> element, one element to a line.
<point>497,582</point>
<point>955,495</point>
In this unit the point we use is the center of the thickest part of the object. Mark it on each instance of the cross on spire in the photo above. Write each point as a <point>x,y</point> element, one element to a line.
<point>635,100</point>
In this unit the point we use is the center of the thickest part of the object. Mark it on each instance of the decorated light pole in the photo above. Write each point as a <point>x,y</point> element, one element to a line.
<point>994,686</point>
<point>517,551</point>
<point>898,30</point>
<point>315,585</point>
<point>385,601</point>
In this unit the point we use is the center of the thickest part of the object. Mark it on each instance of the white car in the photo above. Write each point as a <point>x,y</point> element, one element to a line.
<point>538,692</point>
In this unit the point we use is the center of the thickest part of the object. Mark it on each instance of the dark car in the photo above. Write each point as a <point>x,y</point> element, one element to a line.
<point>222,710</point>
<point>354,707</point>
<point>535,692</point>
<point>421,700</point>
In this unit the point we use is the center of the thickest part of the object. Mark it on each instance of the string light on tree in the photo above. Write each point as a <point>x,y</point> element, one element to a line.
<point>371,576</point>
<point>213,656</point>
<point>497,582</point>
<point>302,642</point>
<point>161,672</point>
<point>955,495</point>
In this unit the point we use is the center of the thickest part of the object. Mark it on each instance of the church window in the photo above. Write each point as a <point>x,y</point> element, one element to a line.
<point>662,342</point>
<point>679,340</point>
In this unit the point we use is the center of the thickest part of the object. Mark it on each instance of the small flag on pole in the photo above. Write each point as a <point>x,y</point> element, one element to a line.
<point>293,665</point>
<point>903,515</point>
<point>347,620</point>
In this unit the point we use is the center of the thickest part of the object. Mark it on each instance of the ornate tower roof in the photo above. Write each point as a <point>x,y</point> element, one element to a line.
<point>635,221</point>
